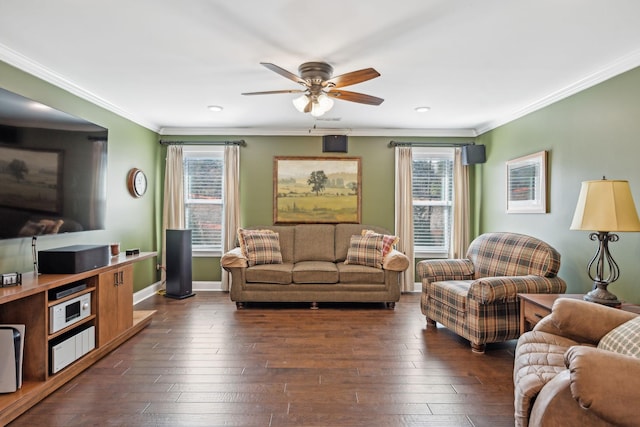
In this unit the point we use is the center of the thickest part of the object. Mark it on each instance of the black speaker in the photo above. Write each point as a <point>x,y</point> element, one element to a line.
<point>472,154</point>
<point>334,144</point>
<point>178,264</point>
<point>73,259</point>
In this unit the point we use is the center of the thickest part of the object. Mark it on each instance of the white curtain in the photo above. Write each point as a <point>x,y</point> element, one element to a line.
<point>231,199</point>
<point>404,213</point>
<point>460,229</point>
<point>173,207</point>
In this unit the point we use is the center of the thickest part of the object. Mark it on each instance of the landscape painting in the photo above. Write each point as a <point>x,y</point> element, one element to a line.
<point>316,190</point>
<point>30,179</point>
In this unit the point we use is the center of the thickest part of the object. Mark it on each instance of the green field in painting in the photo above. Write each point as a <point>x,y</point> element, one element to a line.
<point>297,204</point>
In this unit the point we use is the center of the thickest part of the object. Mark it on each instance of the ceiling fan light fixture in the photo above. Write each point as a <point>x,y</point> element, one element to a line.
<point>319,105</point>
<point>300,103</point>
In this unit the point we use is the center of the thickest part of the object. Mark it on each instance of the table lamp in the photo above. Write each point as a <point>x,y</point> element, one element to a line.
<point>604,206</point>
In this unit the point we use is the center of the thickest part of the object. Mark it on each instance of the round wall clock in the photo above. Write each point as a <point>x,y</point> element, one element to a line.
<point>137,182</point>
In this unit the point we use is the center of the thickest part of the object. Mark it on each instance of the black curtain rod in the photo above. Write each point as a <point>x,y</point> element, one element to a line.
<point>429,144</point>
<point>239,142</point>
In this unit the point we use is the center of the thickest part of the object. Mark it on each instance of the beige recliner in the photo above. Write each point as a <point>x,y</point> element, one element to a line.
<point>561,376</point>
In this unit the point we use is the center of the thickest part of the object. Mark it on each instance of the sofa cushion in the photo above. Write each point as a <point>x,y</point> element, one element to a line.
<point>388,241</point>
<point>285,236</point>
<point>625,339</point>
<point>353,273</point>
<point>315,272</point>
<point>260,246</point>
<point>365,250</point>
<point>279,274</point>
<point>344,233</point>
<point>314,242</point>
<point>452,293</point>
<point>512,254</point>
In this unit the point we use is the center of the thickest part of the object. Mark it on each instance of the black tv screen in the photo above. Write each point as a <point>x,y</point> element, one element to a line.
<point>53,170</point>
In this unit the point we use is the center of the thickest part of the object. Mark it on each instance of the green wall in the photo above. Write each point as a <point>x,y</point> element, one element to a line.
<point>588,135</point>
<point>130,221</point>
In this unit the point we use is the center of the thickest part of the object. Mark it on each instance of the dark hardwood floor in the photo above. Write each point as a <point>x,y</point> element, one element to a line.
<point>201,362</point>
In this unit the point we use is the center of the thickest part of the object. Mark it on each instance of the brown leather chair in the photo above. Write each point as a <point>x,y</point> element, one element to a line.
<point>562,378</point>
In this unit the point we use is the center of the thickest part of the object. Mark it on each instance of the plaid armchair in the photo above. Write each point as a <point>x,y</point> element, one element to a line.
<point>477,297</point>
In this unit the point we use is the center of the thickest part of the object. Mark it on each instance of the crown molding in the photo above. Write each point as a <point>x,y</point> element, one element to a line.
<point>38,70</point>
<point>386,132</point>
<point>618,67</point>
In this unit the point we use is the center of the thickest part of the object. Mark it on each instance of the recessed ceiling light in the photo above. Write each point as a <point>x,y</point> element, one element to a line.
<point>422,109</point>
<point>215,108</point>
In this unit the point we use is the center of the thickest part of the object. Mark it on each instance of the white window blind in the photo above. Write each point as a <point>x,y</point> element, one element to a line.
<point>432,183</point>
<point>203,203</point>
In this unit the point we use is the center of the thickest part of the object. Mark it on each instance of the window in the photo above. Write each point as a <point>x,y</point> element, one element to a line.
<point>203,189</point>
<point>432,183</point>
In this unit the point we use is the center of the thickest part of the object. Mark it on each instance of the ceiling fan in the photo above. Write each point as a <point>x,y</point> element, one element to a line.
<point>320,87</point>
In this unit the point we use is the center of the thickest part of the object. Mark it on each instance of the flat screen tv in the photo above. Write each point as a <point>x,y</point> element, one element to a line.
<point>53,170</point>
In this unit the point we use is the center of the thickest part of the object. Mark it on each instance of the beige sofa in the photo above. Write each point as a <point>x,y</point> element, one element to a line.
<point>312,267</point>
<point>579,367</point>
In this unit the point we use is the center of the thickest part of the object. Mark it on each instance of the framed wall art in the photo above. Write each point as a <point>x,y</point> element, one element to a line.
<point>527,184</point>
<point>316,190</point>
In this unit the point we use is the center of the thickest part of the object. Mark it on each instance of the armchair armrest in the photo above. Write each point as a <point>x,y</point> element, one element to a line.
<point>582,321</point>
<point>395,261</point>
<point>438,270</point>
<point>602,382</point>
<point>233,258</point>
<point>506,288</point>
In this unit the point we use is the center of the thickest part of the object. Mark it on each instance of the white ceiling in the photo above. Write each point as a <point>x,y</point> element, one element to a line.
<point>476,64</point>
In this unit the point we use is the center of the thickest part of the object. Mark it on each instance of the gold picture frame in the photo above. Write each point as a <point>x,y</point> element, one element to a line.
<point>317,190</point>
<point>527,184</point>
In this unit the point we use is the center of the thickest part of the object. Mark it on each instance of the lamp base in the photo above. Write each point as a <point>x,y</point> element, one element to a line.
<point>601,295</point>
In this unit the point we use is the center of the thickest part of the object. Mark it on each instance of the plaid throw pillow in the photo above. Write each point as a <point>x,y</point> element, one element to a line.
<point>625,339</point>
<point>260,246</point>
<point>388,241</point>
<point>365,250</point>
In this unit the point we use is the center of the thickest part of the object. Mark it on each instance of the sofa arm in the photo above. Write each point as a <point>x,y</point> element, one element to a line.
<point>488,290</point>
<point>602,382</point>
<point>395,261</point>
<point>233,258</point>
<point>438,270</point>
<point>574,319</point>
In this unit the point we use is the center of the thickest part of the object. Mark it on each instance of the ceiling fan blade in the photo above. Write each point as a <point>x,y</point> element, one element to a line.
<point>272,92</point>
<point>355,97</point>
<point>284,73</point>
<point>352,78</point>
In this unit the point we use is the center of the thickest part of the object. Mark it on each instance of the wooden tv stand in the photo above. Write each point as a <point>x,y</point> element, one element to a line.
<point>112,315</point>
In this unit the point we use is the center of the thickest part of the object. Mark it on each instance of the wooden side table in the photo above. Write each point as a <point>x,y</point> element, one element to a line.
<point>533,307</point>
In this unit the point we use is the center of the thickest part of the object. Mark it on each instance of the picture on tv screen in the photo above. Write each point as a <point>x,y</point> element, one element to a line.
<point>53,170</point>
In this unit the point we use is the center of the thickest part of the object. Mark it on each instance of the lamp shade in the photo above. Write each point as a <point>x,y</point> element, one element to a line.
<point>605,205</point>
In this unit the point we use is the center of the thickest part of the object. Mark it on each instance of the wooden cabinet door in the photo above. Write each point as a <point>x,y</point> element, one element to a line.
<point>125,298</point>
<point>115,303</point>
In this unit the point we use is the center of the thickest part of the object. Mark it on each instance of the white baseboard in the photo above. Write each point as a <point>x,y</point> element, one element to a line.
<point>152,289</point>
<point>207,286</point>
